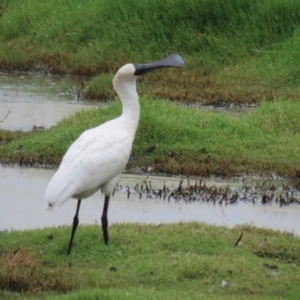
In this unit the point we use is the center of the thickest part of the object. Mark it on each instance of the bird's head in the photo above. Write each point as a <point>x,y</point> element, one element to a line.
<point>126,72</point>
<point>125,78</point>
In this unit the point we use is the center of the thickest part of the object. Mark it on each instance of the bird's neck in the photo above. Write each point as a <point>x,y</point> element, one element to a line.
<point>130,102</point>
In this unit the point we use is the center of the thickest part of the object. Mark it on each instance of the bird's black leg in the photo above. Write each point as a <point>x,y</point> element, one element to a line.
<point>75,224</point>
<point>104,220</point>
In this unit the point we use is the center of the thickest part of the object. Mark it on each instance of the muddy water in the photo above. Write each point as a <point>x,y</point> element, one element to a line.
<point>38,100</point>
<point>22,206</point>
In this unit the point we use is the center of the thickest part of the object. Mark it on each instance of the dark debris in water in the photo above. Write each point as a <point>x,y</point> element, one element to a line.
<point>264,192</point>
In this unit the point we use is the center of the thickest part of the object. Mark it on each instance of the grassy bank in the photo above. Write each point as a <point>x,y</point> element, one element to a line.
<point>236,51</point>
<point>190,142</point>
<point>182,261</point>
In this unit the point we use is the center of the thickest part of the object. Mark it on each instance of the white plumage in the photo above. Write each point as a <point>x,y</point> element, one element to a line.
<point>98,157</point>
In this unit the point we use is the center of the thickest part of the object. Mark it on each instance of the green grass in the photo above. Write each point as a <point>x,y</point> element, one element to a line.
<point>100,88</point>
<point>180,261</point>
<point>236,51</point>
<point>190,141</point>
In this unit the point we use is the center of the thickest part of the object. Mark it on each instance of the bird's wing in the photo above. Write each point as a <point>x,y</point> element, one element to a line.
<point>91,161</point>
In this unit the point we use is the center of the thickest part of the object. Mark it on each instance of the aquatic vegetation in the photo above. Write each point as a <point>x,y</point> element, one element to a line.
<point>251,191</point>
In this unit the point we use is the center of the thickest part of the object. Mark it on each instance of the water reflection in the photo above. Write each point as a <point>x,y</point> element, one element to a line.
<point>38,100</point>
<point>22,205</point>
<point>36,88</point>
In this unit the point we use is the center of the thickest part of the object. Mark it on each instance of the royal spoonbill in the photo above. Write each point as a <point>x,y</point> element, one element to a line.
<point>97,158</point>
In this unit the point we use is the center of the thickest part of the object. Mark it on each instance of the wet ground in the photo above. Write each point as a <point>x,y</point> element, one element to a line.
<point>22,204</point>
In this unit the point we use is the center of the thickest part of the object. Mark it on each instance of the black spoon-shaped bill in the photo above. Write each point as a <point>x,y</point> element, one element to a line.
<point>174,60</point>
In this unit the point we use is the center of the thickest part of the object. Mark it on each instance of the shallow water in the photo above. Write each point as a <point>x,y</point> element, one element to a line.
<point>38,100</point>
<point>22,205</point>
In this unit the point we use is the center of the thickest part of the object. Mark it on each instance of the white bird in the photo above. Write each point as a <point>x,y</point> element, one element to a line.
<point>97,158</point>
